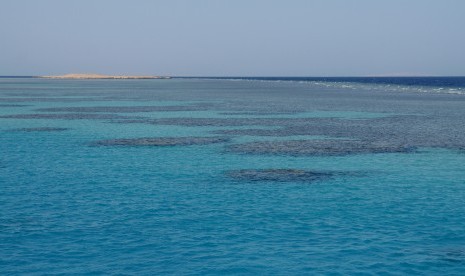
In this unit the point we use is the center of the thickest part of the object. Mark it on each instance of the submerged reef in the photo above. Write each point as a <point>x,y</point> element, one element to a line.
<point>329,147</point>
<point>259,113</point>
<point>13,105</point>
<point>218,122</point>
<point>48,99</point>
<point>161,141</point>
<point>122,109</point>
<point>279,175</point>
<point>40,129</point>
<point>66,116</point>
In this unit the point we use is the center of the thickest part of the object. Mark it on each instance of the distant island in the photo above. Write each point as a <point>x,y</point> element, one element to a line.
<point>98,76</point>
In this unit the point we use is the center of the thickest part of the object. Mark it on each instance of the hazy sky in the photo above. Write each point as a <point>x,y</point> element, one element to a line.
<point>233,37</point>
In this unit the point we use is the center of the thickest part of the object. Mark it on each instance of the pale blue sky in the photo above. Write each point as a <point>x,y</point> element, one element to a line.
<point>235,37</point>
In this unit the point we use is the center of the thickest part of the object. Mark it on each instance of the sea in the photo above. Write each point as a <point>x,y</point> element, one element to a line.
<point>238,175</point>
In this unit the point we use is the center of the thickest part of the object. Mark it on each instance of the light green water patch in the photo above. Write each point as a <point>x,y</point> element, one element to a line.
<point>90,130</point>
<point>10,110</point>
<point>213,114</point>
<point>102,130</point>
<point>114,103</point>
<point>32,107</point>
<point>8,124</point>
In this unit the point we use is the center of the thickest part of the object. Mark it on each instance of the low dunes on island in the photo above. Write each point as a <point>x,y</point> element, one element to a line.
<point>99,76</point>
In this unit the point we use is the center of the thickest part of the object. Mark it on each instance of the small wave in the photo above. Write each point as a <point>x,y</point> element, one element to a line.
<point>352,84</point>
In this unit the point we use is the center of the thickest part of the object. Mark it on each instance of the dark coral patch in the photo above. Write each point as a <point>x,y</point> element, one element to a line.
<point>13,105</point>
<point>47,99</point>
<point>122,109</point>
<point>258,113</point>
<point>162,141</point>
<point>279,175</point>
<point>276,132</point>
<point>217,122</point>
<point>66,116</point>
<point>40,129</point>
<point>318,147</point>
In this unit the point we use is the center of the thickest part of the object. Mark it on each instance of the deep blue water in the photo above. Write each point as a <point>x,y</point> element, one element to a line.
<point>408,81</point>
<point>256,176</point>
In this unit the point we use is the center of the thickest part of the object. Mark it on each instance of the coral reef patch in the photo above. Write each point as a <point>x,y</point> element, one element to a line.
<point>162,141</point>
<point>329,147</point>
<point>278,175</point>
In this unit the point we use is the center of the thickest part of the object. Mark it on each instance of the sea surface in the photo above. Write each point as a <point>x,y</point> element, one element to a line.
<point>213,176</point>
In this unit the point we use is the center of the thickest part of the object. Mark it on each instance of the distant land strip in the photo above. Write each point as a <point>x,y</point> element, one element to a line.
<point>98,76</point>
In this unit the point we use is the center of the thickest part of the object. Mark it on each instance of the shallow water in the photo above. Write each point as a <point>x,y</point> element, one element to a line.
<point>72,204</point>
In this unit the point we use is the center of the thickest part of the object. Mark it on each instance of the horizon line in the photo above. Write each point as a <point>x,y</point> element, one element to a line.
<point>273,76</point>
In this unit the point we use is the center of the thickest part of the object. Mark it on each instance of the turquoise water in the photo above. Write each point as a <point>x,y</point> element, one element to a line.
<point>70,206</point>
